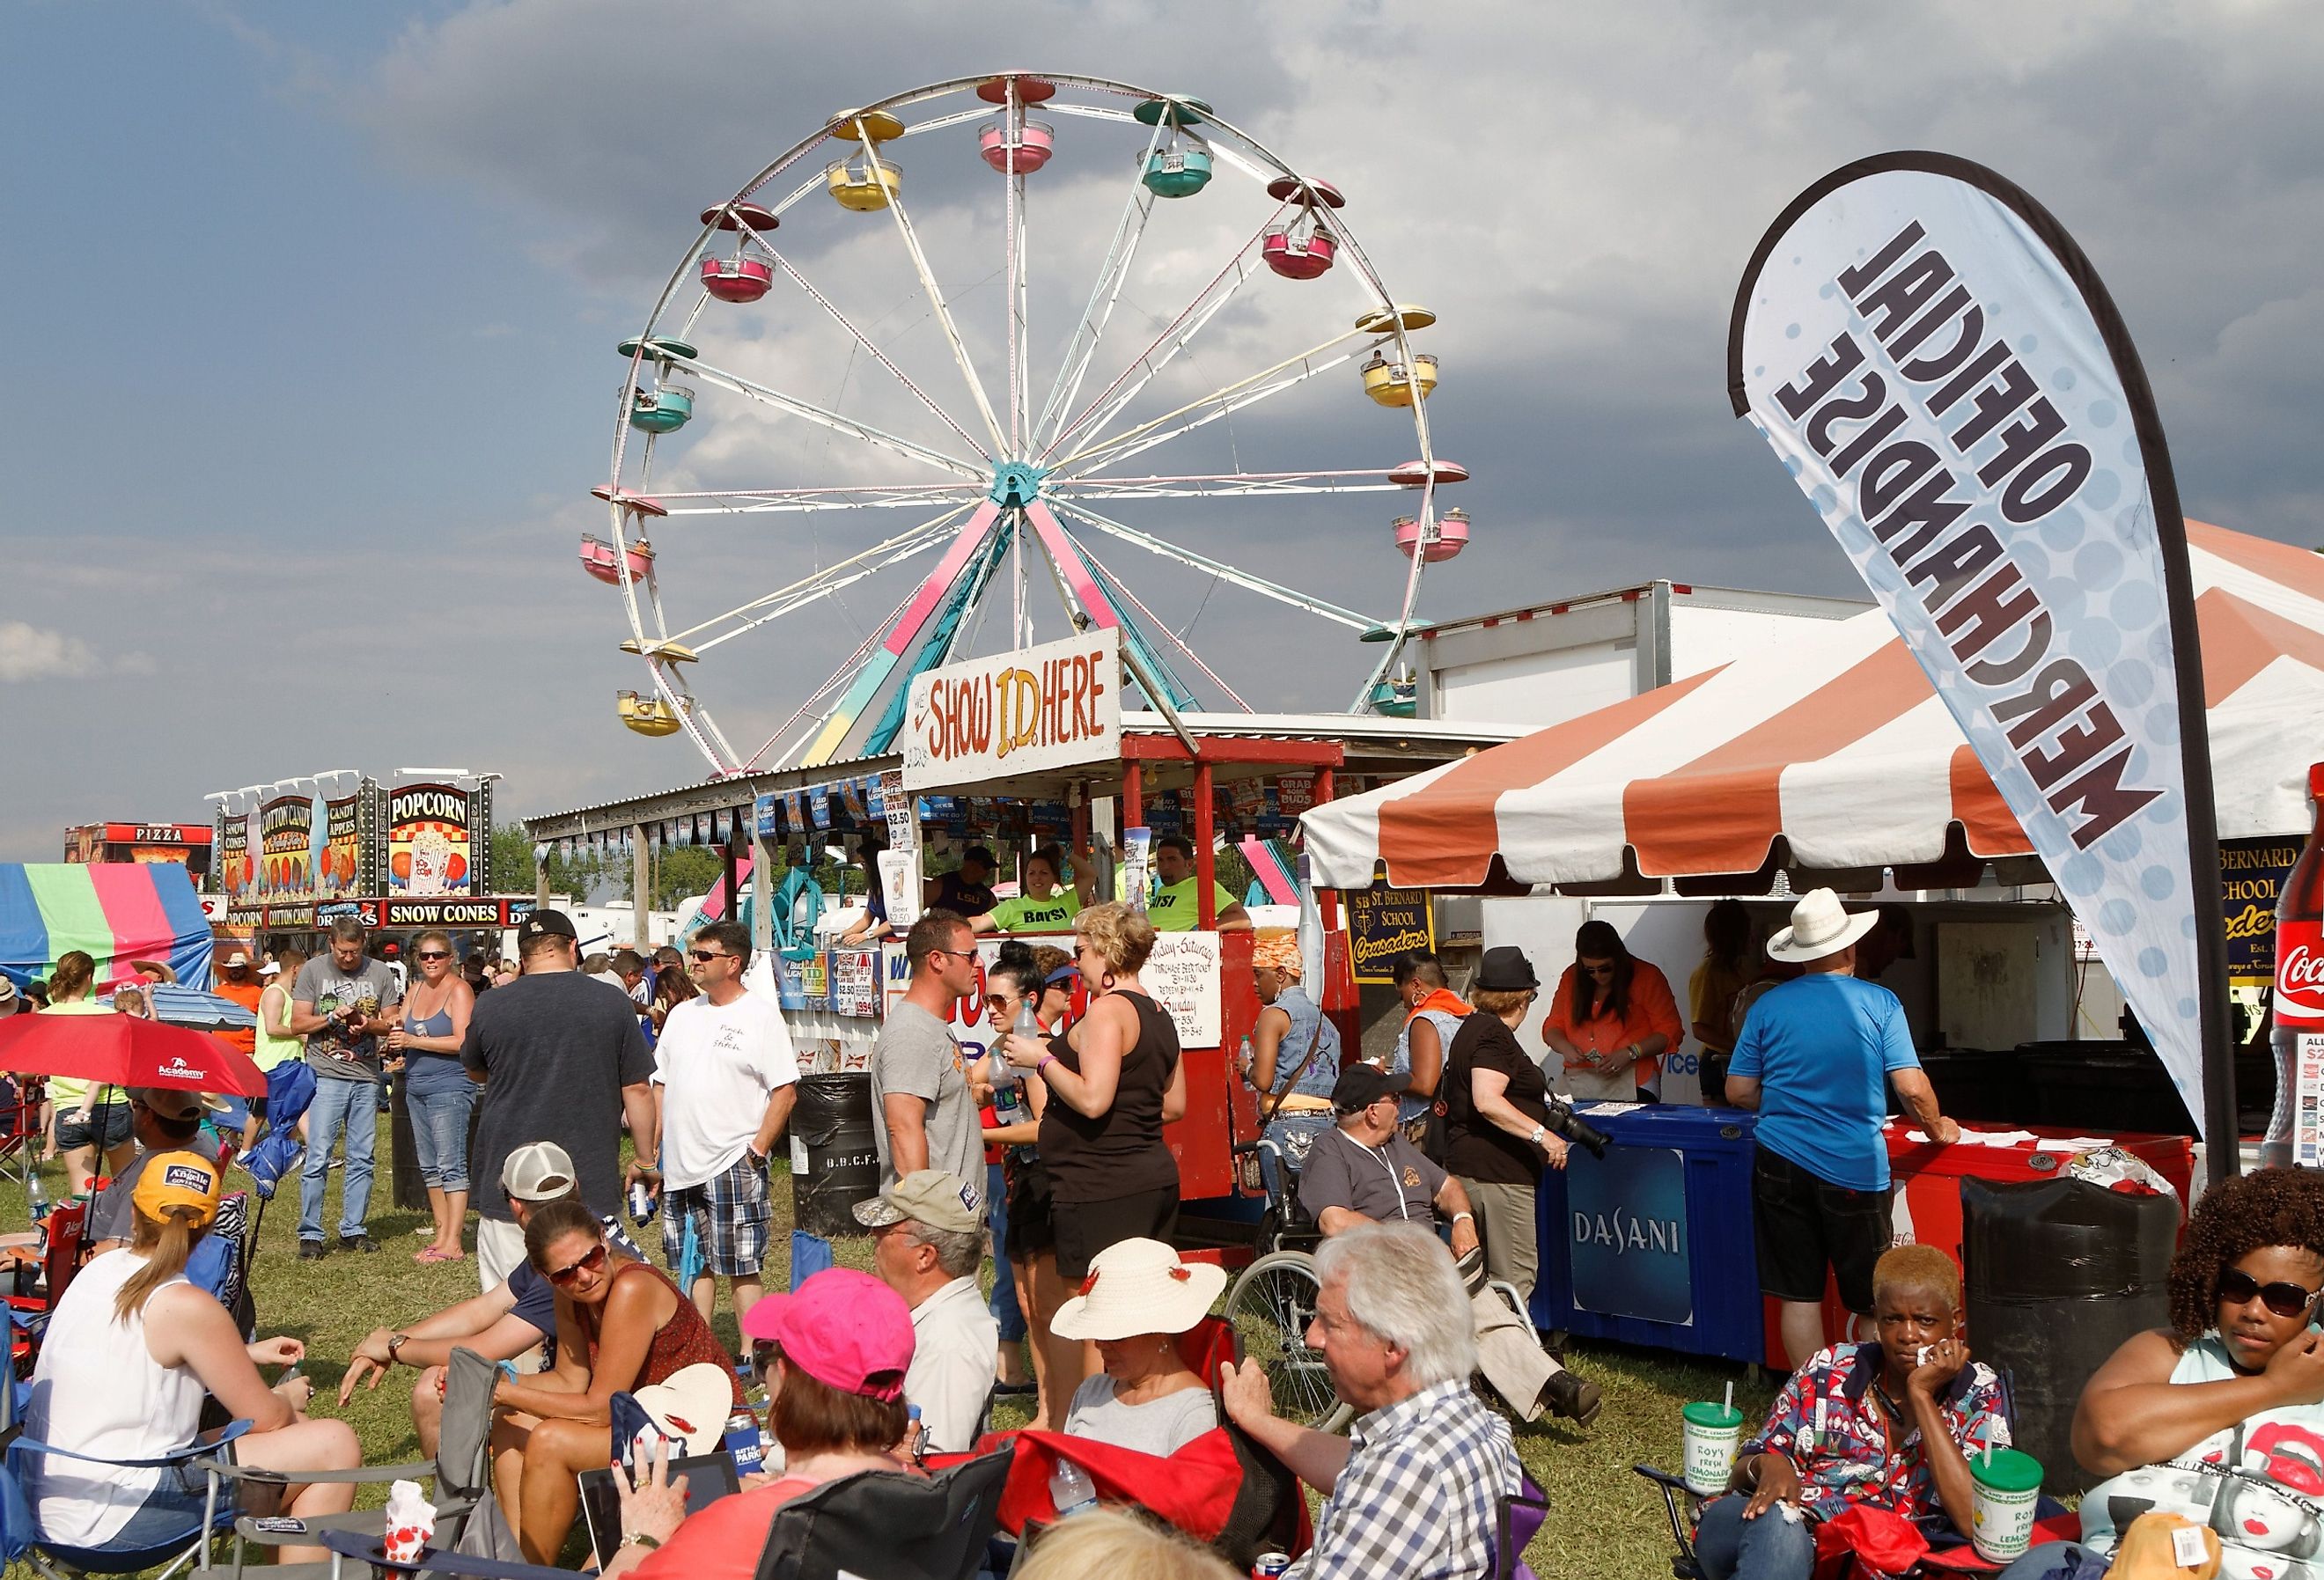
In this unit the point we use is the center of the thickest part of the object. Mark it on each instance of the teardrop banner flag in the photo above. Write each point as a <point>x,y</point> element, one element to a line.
<point>1937,365</point>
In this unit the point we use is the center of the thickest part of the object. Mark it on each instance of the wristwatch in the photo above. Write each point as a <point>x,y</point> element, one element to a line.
<point>1538,1131</point>
<point>641,1540</point>
<point>395,1347</point>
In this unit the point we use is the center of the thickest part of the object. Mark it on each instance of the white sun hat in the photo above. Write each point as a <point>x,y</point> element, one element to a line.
<point>1819,928</point>
<point>1139,1286</point>
<point>690,1407</point>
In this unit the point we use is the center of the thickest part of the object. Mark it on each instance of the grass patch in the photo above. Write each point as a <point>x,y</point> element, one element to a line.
<point>1603,1519</point>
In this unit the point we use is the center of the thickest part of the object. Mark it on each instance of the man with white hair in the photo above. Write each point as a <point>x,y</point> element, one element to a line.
<point>1412,1489</point>
<point>1815,1058</point>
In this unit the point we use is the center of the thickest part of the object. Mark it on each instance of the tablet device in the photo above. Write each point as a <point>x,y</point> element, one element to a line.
<point>708,1478</point>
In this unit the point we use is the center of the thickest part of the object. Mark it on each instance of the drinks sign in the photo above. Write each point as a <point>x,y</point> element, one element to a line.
<point>1050,706</point>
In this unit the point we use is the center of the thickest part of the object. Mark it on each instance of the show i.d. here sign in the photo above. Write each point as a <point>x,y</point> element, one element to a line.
<point>1939,367</point>
<point>1043,708</point>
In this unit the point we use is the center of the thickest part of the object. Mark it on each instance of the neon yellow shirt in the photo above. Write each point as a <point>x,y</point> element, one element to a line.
<point>1054,915</point>
<point>1177,908</point>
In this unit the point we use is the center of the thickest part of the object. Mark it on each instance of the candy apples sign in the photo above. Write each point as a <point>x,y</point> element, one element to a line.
<point>1038,708</point>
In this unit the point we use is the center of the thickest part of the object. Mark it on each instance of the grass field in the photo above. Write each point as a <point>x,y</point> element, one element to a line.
<point>1603,1522</point>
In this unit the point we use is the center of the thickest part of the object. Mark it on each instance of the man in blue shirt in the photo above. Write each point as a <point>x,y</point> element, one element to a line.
<point>1814,1057</point>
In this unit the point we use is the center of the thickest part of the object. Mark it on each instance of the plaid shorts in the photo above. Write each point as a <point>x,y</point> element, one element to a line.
<point>730,1215</point>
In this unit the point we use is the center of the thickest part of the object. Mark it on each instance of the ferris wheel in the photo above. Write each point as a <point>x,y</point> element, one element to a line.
<point>900,376</point>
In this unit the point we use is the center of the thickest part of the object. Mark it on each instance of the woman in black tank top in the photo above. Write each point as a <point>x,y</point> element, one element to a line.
<point>1114,1081</point>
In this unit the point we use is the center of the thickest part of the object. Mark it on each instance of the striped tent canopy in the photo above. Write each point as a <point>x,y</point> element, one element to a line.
<point>118,911</point>
<point>1829,758</point>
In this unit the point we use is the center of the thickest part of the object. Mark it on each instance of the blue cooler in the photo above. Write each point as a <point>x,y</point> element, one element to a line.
<point>1652,1244</point>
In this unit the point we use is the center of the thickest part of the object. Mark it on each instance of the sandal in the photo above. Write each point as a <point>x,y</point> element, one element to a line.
<point>433,1254</point>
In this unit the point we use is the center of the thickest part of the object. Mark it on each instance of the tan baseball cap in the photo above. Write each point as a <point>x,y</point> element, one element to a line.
<point>537,1171</point>
<point>933,1196</point>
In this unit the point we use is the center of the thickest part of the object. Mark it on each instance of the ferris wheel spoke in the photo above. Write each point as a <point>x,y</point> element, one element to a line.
<point>1104,294</point>
<point>825,417</point>
<point>800,278</point>
<point>823,582</point>
<point>1230,485</point>
<point>1176,336</point>
<point>1154,621</point>
<point>1288,374</point>
<point>868,496</point>
<point>1218,568</point>
<point>837,678</point>
<point>936,296</point>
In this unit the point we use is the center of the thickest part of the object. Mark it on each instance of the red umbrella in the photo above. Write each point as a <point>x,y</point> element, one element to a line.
<point>122,1050</point>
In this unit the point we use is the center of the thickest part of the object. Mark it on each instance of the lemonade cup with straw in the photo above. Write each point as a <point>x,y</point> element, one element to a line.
<point>1712,1432</point>
<point>2005,1486</point>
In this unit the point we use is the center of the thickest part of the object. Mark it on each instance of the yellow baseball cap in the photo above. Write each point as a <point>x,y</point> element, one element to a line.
<point>178,1180</point>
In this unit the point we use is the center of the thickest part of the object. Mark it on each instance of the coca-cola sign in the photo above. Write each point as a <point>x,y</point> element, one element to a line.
<point>2300,972</point>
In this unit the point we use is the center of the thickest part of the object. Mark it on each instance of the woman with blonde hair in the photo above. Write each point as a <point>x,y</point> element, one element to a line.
<point>438,1091</point>
<point>1114,1081</point>
<point>1121,1547</point>
<point>79,1125</point>
<point>131,1351</point>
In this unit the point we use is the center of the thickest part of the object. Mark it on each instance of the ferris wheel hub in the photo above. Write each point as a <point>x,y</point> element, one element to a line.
<point>1015,483</point>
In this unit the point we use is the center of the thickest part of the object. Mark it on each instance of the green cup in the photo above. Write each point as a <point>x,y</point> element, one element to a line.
<point>2005,1486</point>
<point>1712,1432</point>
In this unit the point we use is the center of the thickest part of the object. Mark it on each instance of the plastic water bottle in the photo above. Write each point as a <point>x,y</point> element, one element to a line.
<point>37,1199</point>
<point>1071,1489</point>
<point>1008,1085</point>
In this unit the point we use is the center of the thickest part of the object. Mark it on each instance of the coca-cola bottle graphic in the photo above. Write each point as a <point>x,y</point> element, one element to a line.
<point>2293,1129</point>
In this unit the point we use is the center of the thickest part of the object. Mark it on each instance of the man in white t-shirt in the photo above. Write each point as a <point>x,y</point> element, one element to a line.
<point>725,1079</point>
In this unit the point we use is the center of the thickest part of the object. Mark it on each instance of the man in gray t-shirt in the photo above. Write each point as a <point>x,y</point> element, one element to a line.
<point>342,1003</point>
<point>923,1116</point>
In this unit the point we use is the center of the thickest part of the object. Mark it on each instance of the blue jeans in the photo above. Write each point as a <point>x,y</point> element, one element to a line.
<point>1776,1545</point>
<point>352,1106</point>
<point>440,1112</point>
<point>2057,1560</point>
<point>1003,1302</point>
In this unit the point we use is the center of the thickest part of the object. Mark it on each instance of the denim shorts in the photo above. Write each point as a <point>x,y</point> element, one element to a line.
<point>172,1511</point>
<point>107,1120</point>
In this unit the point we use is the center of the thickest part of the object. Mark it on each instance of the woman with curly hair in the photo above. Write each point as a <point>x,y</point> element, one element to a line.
<point>2218,1418</point>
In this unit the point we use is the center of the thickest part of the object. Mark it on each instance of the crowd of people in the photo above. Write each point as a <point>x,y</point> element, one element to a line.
<point>1417,1173</point>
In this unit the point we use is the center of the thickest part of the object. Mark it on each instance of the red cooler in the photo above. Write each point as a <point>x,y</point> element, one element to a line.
<point>1927,1180</point>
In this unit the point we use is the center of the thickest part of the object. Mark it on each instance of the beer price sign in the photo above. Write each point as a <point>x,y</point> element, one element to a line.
<point>1043,708</point>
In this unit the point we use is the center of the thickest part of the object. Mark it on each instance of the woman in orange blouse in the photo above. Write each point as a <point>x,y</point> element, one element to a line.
<point>1611,1019</point>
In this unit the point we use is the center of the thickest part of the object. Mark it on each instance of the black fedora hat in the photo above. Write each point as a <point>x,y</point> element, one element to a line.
<point>1506,970</point>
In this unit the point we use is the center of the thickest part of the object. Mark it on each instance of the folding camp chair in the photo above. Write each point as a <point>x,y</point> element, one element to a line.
<point>20,1536</point>
<point>466,1512</point>
<point>875,1523</point>
<point>20,1131</point>
<point>1517,1518</point>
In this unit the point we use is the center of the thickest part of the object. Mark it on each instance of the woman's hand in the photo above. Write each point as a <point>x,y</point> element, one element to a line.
<point>275,1352</point>
<point>1779,1482</point>
<point>299,1391</point>
<point>1944,1362</point>
<point>1024,1052</point>
<point>2297,1370</point>
<point>1552,1151</point>
<point>652,1505</point>
<point>396,1039</point>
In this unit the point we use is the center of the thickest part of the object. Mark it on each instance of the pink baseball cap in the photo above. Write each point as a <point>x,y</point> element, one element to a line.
<point>845,1329</point>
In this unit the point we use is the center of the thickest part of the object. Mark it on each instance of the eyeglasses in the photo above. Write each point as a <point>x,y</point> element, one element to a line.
<point>591,1262</point>
<point>431,954</point>
<point>764,1353</point>
<point>708,955</point>
<point>2237,1287</point>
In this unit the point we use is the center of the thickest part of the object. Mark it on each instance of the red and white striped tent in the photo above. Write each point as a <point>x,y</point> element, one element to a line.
<point>1829,756</point>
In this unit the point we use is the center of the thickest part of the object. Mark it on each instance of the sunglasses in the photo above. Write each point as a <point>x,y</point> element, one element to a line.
<point>2237,1287</point>
<point>431,954</point>
<point>764,1352</point>
<point>592,1262</point>
<point>708,955</point>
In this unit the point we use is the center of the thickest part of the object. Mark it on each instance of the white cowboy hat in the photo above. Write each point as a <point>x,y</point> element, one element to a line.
<point>1819,928</point>
<point>690,1407</point>
<point>1139,1286</point>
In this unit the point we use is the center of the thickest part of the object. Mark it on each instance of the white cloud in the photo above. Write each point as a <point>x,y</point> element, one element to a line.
<point>27,653</point>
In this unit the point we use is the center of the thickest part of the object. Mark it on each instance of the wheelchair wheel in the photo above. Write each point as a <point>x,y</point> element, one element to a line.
<point>1270,1306</point>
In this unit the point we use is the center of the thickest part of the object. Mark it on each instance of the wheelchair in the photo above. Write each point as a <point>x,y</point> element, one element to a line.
<point>1272,1302</point>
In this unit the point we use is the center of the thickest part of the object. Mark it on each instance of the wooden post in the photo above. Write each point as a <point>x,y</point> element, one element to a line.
<point>1133,803</point>
<point>1327,900</point>
<point>762,899</point>
<point>641,888</point>
<point>727,881</point>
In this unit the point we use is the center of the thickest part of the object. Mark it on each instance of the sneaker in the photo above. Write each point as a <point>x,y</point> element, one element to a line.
<point>366,1242</point>
<point>1575,1397</point>
<point>310,1250</point>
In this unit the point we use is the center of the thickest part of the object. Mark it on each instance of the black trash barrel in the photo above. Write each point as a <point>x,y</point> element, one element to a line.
<point>833,1123</point>
<point>2058,1274</point>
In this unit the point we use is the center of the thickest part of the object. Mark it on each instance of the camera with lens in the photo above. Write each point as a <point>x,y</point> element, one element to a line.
<point>1561,1120</point>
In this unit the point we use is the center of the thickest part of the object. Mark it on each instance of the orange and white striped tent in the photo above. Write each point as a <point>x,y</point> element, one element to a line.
<point>1830,755</point>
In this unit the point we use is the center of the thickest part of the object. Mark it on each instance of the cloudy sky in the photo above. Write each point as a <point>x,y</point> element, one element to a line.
<point>316,308</point>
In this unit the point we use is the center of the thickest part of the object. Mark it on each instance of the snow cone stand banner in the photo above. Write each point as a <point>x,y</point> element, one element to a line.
<point>1054,705</point>
<point>1939,367</point>
<point>303,851</point>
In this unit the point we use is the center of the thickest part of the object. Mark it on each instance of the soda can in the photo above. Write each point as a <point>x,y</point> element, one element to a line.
<point>1269,1566</point>
<point>642,1203</point>
<point>742,1442</point>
